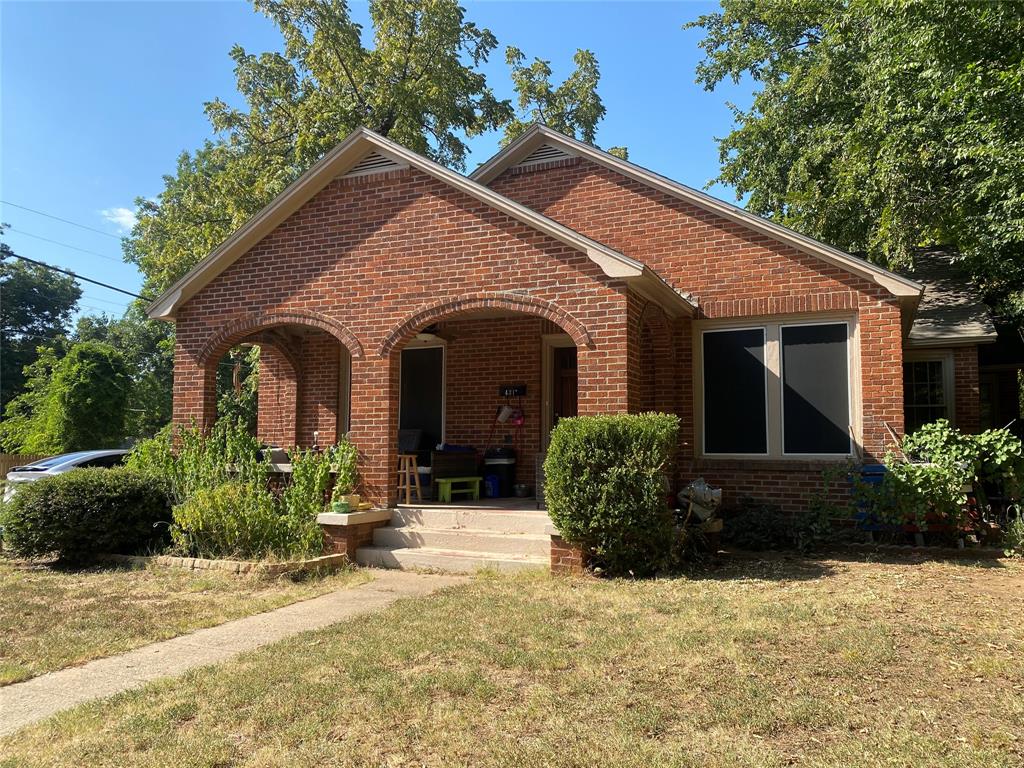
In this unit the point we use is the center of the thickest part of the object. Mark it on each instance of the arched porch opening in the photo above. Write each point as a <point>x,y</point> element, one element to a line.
<point>477,381</point>
<point>289,376</point>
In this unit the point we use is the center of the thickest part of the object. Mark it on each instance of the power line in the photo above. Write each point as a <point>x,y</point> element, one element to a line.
<point>58,218</point>
<point>79,277</point>
<point>65,245</point>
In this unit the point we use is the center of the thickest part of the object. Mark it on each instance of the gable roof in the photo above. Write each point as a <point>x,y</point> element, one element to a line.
<point>540,135</point>
<point>351,154</point>
<point>951,313</point>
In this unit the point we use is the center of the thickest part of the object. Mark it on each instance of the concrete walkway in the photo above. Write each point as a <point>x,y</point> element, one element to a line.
<point>26,703</point>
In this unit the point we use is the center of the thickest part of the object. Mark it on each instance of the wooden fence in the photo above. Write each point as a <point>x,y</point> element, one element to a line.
<point>9,461</point>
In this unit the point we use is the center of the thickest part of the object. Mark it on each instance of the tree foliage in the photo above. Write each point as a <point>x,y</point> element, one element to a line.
<point>73,403</point>
<point>148,350</point>
<point>881,126</point>
<point>36,305</point>
<point>573,108</point>
<point>418,83</point>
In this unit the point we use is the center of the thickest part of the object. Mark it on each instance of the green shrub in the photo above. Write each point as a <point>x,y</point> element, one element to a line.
<point>757,527</point>
<point>1013,537</point>
<point>223,502</point>
<point>192,461</point>
<point>929,487</point>
<point>230,520</point>
<point>80,514</point>
<point>605,488</point>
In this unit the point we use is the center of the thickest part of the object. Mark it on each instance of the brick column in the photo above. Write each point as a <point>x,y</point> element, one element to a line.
<point>195,390</point>
<point>967,389</point>
<point>374,424</point>
<point>566,558</point>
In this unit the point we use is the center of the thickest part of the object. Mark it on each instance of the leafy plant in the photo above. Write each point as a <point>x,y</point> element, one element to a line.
<point>80,514</point>
<point>605,489</point>
<point>1013,537</point>
<point>234,519</point>
<point>925,484</point>
<point>224,505</point>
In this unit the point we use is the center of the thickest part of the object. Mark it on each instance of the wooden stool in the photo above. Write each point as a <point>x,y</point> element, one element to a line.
<point>409,477</point>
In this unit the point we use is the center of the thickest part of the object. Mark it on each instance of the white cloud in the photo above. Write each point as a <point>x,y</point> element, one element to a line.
<point>124,218</point>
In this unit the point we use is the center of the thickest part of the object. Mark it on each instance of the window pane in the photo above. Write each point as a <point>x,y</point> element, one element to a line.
<point>735,413</point>
<point>924,393</point>
<point>816,389</point>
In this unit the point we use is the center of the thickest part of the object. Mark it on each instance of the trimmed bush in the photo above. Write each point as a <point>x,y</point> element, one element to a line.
<point>605,488</point>
<point>85,512</point>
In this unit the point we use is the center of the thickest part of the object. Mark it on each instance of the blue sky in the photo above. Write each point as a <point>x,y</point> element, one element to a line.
<point>98,99</point>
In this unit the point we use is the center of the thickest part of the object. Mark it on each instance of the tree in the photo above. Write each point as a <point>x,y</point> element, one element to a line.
<point>418,83</point>
<point>881,127</point>
<point>573,108</point>
<point>75,403</point>
<point>148,350</point>
<point>36,305</point>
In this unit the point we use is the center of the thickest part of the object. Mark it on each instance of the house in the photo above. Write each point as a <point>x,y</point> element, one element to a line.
<point>390,293</point>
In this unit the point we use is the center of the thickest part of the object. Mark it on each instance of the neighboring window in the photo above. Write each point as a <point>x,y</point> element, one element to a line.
<point>777,390</point>
<point>815,389</point>
<point>926,396</point>
<point>735,408</point>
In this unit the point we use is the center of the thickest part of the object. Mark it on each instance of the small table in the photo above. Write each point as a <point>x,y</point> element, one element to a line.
<point>468,486</point>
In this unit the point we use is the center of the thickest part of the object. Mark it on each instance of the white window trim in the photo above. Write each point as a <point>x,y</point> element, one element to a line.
<point>773,389</point>
<point>944,356</point>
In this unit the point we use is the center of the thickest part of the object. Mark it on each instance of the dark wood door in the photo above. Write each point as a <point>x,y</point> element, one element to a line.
<point>564,387</point>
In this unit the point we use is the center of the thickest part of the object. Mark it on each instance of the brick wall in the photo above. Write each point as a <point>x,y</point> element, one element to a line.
<point>734,273</point>
<point>361,261</point>
<point>481,356</point>
<point>967,395</point>
<point>277,404</point>
<point>731,270</point>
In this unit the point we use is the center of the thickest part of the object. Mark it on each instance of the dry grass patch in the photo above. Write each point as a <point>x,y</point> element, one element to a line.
<point>52,618</point>
<point>758,664</point>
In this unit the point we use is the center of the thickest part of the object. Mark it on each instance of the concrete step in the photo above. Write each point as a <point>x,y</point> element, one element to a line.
<point>463,540</point>
<point>452,561</point>
<point>498,521</point>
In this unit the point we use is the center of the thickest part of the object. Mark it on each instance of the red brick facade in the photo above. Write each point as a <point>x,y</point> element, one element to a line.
<point>349,278</point>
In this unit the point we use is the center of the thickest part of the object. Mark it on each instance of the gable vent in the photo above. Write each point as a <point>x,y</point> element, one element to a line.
<point>544,154</point>
<point>375,162</point>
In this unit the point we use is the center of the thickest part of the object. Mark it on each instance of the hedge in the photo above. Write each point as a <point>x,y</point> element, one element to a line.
<point>605,488</point>
<point>85,512</point>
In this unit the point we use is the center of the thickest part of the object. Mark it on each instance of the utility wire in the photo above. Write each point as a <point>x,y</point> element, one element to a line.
<point>79,277</point>
<point>65,245</point>
<point>58,218</point>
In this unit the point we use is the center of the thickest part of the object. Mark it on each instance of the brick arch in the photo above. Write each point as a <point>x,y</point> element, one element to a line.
<point>247,325</point>
<point>512,302</point>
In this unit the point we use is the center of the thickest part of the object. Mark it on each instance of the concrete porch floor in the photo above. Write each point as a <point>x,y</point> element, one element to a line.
<point>503,504</point>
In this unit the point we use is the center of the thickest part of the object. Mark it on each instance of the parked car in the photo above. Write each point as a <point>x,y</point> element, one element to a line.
<point>56,465</point>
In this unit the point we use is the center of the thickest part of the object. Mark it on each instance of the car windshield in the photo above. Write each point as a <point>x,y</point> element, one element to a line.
<point>54,461</point>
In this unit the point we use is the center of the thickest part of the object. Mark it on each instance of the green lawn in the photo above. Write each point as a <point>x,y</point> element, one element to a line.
<point>51,618</point>
<point>759,664</point>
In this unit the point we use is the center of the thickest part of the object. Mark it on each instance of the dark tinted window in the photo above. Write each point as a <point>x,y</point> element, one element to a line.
<point>735,414</point>
<point>815,389</point>
<point>104,461</point>
<point>924,394</point>
<point>422,400</point>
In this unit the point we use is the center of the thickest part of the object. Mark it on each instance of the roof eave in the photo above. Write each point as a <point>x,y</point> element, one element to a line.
<point>612,263</point>
<point>895,284</point>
